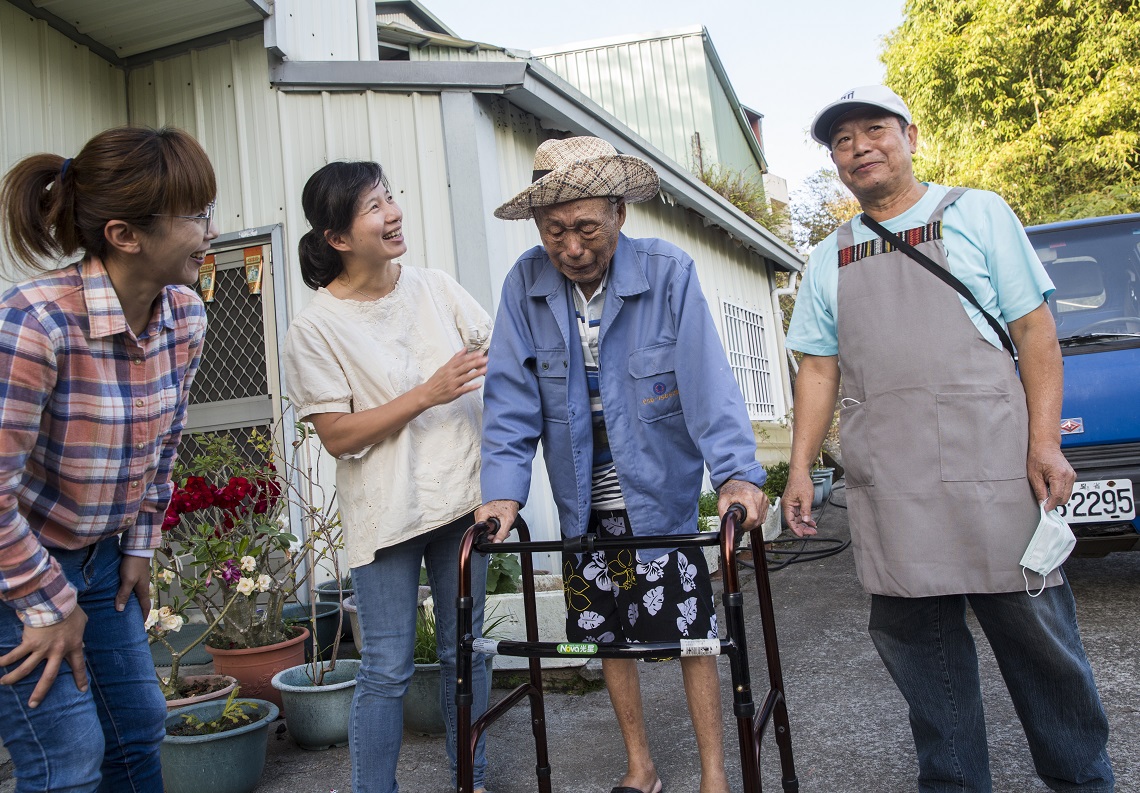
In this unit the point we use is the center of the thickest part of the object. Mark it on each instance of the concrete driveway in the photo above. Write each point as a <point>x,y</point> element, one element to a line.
<point>849,724</point>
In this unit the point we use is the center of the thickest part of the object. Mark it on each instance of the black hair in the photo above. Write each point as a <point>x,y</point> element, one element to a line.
<point>330,201</point>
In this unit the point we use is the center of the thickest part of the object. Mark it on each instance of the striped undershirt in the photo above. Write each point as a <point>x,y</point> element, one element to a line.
<point>605,491</point>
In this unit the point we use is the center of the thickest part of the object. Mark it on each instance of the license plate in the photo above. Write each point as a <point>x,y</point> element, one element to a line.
<point>1100,501</point>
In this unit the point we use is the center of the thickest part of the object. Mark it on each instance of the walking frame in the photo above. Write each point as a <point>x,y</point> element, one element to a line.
<point>750,723</point>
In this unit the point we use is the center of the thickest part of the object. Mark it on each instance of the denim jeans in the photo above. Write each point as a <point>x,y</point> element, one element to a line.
<point>385,593</point>
<point>929,651</point>
<point>106,739</point>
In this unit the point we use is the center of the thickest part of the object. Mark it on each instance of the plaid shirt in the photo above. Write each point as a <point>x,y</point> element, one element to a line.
<point>90,419</point>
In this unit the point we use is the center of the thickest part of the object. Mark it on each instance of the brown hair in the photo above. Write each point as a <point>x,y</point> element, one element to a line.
<point>52,207</point>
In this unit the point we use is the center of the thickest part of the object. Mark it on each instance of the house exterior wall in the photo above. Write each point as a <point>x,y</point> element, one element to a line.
<point>453,54</point>
<point>265,143</point>
<point>55,93</point>
<point>319,31</point>
<point>666,90</point>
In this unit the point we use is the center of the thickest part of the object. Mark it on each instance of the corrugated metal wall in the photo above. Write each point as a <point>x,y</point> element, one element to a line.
<point>319,31</point>
<point>54,93</point>
<point>659,87</point>
<point>264,144</point>
<point>453,54</point>
<point>666,90</point>
<point>731,145</point>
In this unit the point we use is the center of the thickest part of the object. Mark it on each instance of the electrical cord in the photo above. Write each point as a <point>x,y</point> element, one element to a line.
<point>830,546</point>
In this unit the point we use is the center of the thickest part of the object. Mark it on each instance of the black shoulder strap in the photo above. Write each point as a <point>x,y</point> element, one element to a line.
<point>942,274</point>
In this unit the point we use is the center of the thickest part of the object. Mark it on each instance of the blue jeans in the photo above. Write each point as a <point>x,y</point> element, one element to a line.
<point>386,591</point>
<point>929,651</point>
<point>106,739</point>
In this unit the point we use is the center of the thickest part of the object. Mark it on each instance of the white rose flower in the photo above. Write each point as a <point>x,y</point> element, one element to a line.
<point>167,576</point>
<point>151,618</point>
<point>264,582</point>
<point>171,622</point>
<point>248,564</point>
<point>245,586</point>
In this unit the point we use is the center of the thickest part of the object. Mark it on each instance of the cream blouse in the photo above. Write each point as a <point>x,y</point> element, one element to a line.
<point>343,356</point>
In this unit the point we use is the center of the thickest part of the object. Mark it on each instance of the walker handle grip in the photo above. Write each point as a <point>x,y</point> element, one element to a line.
<point>741,513</point>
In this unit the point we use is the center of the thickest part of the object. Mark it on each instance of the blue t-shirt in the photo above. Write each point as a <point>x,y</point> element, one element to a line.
<point>986,248</point>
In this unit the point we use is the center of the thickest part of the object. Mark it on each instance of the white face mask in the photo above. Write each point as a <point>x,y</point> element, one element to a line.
<point>1049,547</point>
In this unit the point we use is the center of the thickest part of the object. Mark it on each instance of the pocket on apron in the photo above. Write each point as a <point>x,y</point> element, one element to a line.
<point>856,443</point>
<point>978,438</point>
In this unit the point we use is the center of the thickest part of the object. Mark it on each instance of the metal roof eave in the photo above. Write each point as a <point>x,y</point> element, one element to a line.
<point>538,90</point>
<point>548,96</point>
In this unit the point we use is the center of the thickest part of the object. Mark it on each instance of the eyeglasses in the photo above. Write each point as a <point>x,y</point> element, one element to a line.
<point>206,216</point>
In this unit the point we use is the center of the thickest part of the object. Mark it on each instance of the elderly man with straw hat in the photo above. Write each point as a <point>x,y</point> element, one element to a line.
<point>604,349</point>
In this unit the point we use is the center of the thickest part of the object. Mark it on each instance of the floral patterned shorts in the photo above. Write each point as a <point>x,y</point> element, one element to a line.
<point>611,596</point>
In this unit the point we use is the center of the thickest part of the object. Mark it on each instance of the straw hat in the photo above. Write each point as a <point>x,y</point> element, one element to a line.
<point>585,167</point>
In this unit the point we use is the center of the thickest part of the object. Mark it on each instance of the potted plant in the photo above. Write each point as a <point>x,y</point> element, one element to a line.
<point>709,520</point>
<point>774,488</point>
<point>317,695</point>
<point>227,554</point>
<point>422,712</point>
<point>216,746</point>
<point>505,617</point>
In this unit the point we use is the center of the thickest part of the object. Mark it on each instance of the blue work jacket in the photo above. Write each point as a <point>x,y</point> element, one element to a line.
<point>670,400</point>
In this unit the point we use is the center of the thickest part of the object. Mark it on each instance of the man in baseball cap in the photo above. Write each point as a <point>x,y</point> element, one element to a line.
<point>865,97</point>
<point>951,451</point>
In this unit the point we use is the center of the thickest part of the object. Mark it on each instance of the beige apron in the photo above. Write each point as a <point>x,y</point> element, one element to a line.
<point>934,429</point>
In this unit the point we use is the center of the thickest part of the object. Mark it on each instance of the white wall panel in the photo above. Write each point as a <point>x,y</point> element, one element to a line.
<point>402,132</point>
<point>318,31</point>
<point>222,96</point>
<point>453,54</point>
<point>659,87</point>
<point>55,94</point>
<point>665,89</point>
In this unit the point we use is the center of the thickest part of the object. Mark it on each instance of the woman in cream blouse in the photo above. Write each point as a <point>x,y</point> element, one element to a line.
<point>386,363</point>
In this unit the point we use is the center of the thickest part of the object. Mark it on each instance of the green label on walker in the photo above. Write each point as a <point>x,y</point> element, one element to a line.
<point>577,648</point>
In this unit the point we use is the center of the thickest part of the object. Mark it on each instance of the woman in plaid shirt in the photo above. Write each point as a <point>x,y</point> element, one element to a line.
<point>96,361</point>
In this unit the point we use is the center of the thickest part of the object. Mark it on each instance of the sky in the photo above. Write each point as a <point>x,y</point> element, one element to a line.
<point>786,58</point>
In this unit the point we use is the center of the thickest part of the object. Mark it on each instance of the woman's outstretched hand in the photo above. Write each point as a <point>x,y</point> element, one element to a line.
<point>456,377</point>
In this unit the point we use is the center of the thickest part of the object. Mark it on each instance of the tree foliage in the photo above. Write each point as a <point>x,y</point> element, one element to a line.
<point>820,206</point>
<point>1038,100</point>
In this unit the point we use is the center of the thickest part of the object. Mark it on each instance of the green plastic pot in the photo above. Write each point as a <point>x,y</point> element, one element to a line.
<point>224,762</point>
<point>317,716</point>
<point>327,617</point>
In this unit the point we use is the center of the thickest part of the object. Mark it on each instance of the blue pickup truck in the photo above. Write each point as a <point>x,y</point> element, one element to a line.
<point>1095,266</point>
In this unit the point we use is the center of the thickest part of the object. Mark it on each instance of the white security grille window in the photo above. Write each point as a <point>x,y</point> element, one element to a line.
<point>744,341</point>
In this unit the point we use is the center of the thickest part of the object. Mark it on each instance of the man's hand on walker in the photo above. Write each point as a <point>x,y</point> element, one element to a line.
<point>752,498</point>
<point>505,511</point>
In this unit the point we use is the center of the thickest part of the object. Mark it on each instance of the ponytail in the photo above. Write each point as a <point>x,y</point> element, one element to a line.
<point>39,209</point>
<point>320,262</point>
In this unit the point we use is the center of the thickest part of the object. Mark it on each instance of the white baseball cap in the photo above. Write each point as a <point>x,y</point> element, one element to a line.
<point>864,96</point>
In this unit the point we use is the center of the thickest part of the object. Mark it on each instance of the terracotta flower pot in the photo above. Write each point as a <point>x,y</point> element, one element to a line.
<point>255,667</point>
